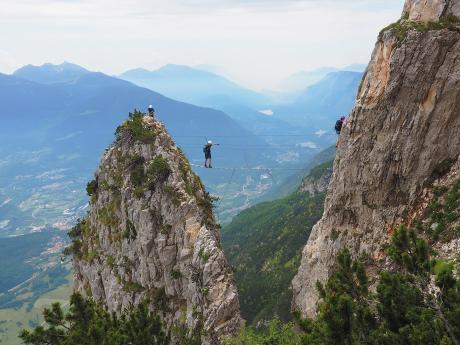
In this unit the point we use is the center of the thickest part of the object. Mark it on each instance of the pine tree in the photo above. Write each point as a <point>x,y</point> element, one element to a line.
<point>344,316</point>
<point>87,323</point>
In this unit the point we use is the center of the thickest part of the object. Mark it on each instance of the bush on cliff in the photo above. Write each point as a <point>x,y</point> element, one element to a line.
<point>135,127</point>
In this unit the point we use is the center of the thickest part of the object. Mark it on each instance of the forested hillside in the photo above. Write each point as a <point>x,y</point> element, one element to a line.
<point>416,299</point>
<point>264,243</point>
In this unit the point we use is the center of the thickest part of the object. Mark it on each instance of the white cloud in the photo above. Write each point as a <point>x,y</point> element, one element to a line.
<point>69,136</point>
<point>7,201</point>
<point>267,112</point>
<point>4,223</point>
<point>308,145</point>
<point>7,62</point>
<point>319,133</point>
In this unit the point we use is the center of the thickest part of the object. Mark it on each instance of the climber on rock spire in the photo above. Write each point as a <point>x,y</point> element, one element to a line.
<point>151,111</point>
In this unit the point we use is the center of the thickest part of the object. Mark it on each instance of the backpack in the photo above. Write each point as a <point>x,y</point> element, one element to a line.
<point>338,126</point>
<point>207,150</point>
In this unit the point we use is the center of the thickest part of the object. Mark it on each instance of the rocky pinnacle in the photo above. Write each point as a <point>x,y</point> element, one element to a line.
<point>151,235</point>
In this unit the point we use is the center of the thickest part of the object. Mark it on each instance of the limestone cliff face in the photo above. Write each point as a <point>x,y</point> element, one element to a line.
<point>315,185</point>
<point>150,234</point>
<point>430,10</point>
<point>405,122</point>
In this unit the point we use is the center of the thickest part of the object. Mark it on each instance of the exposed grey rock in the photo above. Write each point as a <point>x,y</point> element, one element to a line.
<point>430,10</point>
<point>449,249</point>
<point>405,122</point>
<point>158,241</point>
<point>434,226</point>
<point>316,186</point>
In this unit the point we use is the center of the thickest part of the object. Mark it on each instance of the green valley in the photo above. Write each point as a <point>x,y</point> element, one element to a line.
<point>264,245</point>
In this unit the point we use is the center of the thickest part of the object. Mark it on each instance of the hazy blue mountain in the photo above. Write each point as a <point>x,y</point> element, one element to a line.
<point>259,123</point>
<point>194,86</point>
<point>319,105</point>
<point>357,67</point>
<point>211,90</point>
<point>53,134</point>
<point>300,80</point>
<point>50,74</point>
<point>85,112</point>
<point>336,91</point>
<point>291,183</point>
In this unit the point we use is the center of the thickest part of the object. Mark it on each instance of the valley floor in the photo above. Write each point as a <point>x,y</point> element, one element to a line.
<point>13,320</point>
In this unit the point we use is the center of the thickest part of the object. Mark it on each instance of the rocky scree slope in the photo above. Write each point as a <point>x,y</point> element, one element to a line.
<point>151,235</point>
<point>403,129</point>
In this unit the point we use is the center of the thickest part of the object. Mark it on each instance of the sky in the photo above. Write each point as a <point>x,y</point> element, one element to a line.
<point>254,42</point>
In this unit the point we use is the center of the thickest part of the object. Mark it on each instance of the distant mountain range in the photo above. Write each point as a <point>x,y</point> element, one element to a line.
<point>57,119</point>
<point>51,74</point>
<point>195,86</point>
<point>319,105</point>
<point>326,93</point>
<point>301,80</point>
<point>204,88</point>
<point>84,112</point>
<point>53,133</point>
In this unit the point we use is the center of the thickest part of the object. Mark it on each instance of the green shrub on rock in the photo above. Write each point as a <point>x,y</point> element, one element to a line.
<point>136,128</point>
<point>91,187</point>
<point>159,169</point>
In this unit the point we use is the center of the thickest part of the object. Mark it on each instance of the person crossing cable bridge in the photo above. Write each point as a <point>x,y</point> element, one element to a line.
<point>207,153</point>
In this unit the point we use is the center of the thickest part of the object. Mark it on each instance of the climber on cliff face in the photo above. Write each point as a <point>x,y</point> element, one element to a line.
<point>207,154</point>
<point>338,127</point>
<point>151,111</point>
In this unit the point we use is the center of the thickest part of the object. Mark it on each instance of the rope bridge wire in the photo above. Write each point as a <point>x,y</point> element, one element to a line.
<point>243,136</point>
<point>246,147</point>
<point>242,147</point>
<point>227,187</point>
<point>267,169</point>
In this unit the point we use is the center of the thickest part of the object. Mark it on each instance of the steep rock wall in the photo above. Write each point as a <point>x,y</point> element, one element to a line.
<point>430,10</point>
<point>405,122</point>
<point>150,234</point>
<point>317,184</point>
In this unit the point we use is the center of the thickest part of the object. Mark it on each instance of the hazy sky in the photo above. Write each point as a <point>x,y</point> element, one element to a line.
<point>255,42</point>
